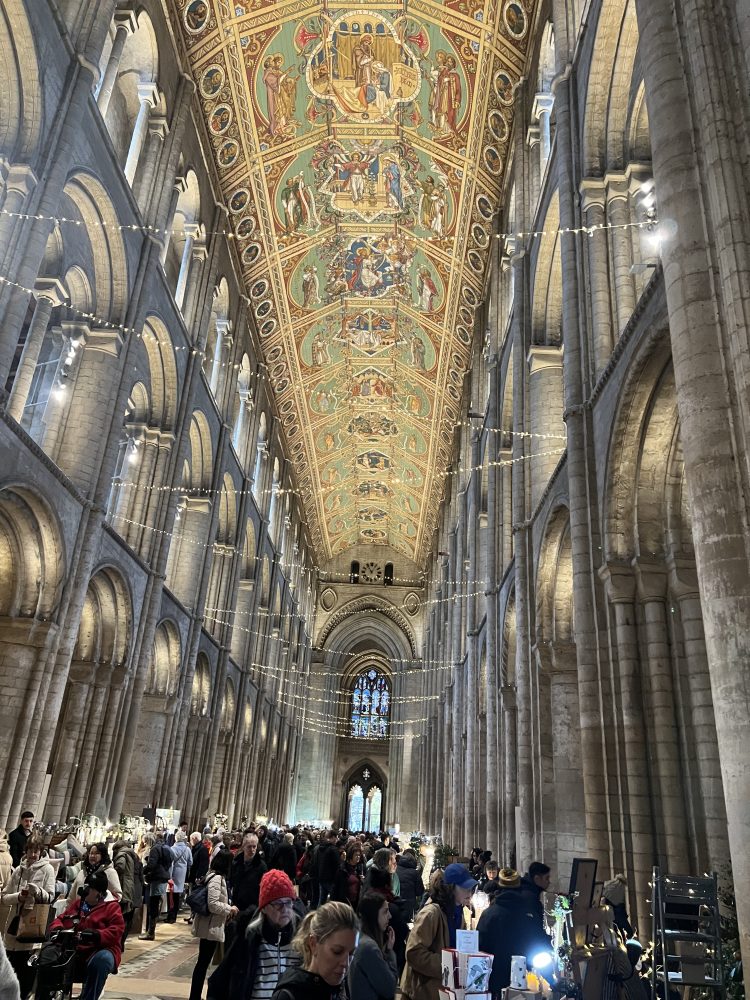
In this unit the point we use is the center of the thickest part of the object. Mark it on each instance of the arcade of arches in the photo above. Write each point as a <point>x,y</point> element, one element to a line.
<point>374,420</point>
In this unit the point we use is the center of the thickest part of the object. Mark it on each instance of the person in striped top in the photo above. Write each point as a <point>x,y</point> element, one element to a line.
<point>257,959</point>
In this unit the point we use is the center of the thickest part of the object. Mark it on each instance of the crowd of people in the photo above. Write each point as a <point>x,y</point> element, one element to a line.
<point>283,914</point>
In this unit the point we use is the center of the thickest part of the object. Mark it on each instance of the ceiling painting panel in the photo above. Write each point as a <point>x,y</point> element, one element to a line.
<point>361,152</point>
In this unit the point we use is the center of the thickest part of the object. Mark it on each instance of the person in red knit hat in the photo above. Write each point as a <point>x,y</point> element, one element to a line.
<point>99,933</point>
<point>258,958</point>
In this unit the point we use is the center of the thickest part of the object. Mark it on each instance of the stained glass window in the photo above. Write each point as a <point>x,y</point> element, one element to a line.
<point>371,702</point>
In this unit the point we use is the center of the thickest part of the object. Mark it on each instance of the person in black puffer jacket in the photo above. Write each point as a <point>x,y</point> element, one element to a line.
<point>511,926</point>
<point>410,879</point>
<point>326,940</point>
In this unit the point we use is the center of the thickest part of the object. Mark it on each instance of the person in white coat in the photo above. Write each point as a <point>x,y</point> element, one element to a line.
<point>31,884</point>
<point>210,929</point>
<point>9,988</point>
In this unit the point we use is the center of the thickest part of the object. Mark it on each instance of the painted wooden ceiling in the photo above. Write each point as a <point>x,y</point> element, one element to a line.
<point>361,153</point>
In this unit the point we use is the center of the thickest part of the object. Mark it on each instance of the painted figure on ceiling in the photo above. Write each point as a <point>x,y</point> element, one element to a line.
<point>310,287</point>
<point>435,70</point>
<point>426,290</point>
<point>320,355</point>
<point>418,353</point>
<point>290,199</point>
<point>394,193</point>
<point>448,96</point>
<point>281,95</point>
<point>365,277</point>
<point>352,173</point>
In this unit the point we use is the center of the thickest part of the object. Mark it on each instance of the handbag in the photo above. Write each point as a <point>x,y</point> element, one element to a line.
<point>197,900</point>
<point>32,923</point>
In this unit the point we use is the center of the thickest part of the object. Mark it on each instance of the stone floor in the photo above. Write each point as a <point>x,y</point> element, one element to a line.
<point>156,970</point>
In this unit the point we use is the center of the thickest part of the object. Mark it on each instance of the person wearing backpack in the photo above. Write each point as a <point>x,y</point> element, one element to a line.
<point>128,866</point>
<point>156,875</point>
<point>208,926</point>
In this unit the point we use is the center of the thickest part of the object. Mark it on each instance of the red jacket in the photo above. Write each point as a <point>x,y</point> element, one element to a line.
<point>106,917</point>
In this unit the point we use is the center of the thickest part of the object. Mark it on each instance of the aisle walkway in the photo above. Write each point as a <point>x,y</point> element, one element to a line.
<point>156,970</point>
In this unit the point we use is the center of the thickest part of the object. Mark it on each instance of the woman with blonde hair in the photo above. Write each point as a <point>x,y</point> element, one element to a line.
<point>326,940</point>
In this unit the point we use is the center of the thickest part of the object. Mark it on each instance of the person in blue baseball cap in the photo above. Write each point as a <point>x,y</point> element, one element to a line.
<point>435,928</point>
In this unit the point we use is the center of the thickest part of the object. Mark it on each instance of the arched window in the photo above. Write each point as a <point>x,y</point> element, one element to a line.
<point>354,572</point>
<point>371,703</point>
<point>388,575</point>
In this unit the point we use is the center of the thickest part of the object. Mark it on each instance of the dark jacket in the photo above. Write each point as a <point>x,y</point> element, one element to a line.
<point>201,858</point>
<point>17,844</point>
<point>511,926</point>
<point>298,984</point>
<point>286,860</point>
<point>159,864</point>
<point>244,880</point>
<point>235,976</point>
<point>491,886</point>
<point>329,859</point>
<point>412,887</point>
<point>347,885</point>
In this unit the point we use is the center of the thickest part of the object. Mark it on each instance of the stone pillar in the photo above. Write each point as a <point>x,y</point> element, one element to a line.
<point>180,185</point>
<point>535,164</point>
<point>150,161</point>
<point>593,208</point>
<point>148,96</point>
<point>659,699</point>
<point>510,760</point>
<point>542,111</point>
<point>91,404</point>
<point>222,352</point>
<point>49,293</point>
<point>707,800</point>
<point>583,534</point>
<point>621,246</point>
<point>125,25</point>
<point>636,777</point>
<point>191,231</point>
<point>545,388</point>
<point>19,183</point>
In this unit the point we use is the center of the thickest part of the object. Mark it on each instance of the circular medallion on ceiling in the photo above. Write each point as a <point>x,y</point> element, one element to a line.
<point>498,125</point>
<point>278,370</point>
<point>264,308</point>
<point>463,335</point>
<point>259,289</point>
<point>411,604</point>
<point>281,386</point>
<point>212,80</point>
<point>484,207</point>
<point>469,296</point>
<point>286,406</point>
<point>239,201</point>
<point>453,391</point>
<point>246,225</point>
<point>466,315</point>
<point>328,599</point>
<point>228,152</point>
<point>481,236</point>
<point>268,327</point>
<point>220,119</point>
<point>275,353</point>
<point>515,19</point>
<point>476,262</point>
<point>493,161</point>
<point>251,253</point>
<point>504,88</point>
<point>195,17</point>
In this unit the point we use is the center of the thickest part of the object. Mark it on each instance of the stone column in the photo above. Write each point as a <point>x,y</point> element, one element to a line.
<point>199,256</point>
<point>125,25</point>
<point>19,183</point>
<point>593,208</point>
<point>148,96</point>
<point>150,161</point>
<point>683,586</point>
<point>535,164</point>
<point>191,231</point>
<point>542,111</point>
<point>659,698</point>
<point>180,185</point>
<point>545,388</point>
<point>222,352</point>
<point>510,760</point>
<point>583,533</point>
<point>636,775</point>
<point>49,293</point>
<point>621,246</point>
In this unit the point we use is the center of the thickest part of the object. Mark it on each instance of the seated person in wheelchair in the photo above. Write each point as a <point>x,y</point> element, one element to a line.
<point>96,916</point>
